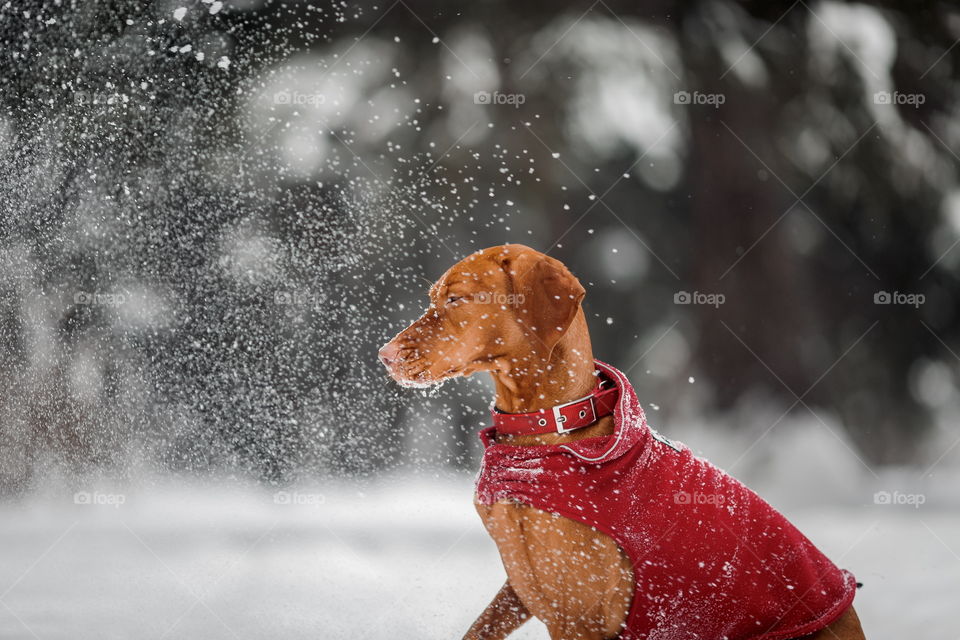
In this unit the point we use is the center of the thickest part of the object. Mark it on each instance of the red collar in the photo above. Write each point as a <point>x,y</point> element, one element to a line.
<point>561,418</point>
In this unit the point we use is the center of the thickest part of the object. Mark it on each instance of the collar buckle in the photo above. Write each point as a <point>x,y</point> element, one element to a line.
<point>560,420</point>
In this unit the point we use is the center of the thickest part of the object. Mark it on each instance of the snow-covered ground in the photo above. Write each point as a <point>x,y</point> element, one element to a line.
<point>402,557</point>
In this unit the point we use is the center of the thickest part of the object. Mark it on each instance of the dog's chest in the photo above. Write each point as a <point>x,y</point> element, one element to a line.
<point>555,563</point>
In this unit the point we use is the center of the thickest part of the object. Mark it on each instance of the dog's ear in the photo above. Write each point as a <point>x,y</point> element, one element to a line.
<point>546,297</point>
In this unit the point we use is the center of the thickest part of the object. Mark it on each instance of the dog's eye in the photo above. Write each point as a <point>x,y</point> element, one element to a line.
<point>454,299</point>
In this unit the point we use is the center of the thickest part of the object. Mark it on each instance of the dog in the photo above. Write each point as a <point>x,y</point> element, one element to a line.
<point>516,313</point>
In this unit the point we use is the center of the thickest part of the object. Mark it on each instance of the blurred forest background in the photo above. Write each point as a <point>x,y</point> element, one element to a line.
<point>214,213</point>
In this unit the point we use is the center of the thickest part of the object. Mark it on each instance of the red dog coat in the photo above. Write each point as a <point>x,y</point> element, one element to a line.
<point>710,558</point>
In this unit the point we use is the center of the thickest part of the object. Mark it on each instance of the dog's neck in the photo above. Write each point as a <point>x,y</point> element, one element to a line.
<point>567,375</point>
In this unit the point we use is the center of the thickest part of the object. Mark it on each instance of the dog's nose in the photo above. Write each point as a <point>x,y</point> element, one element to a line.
<point>389,352</point>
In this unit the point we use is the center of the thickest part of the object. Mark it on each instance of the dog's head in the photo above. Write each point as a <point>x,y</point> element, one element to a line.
<point>498,309</point>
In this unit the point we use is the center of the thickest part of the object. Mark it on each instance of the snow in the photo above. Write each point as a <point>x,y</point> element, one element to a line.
<point>404,557</point>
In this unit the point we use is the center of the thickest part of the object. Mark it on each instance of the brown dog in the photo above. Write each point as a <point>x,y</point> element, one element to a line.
<point>530,333</point>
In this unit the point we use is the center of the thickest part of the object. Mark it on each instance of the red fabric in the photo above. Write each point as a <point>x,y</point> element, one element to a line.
<point>711,559</point>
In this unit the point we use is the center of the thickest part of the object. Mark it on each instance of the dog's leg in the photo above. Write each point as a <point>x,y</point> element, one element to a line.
<point>846,627</point>
<point>501,617</point>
